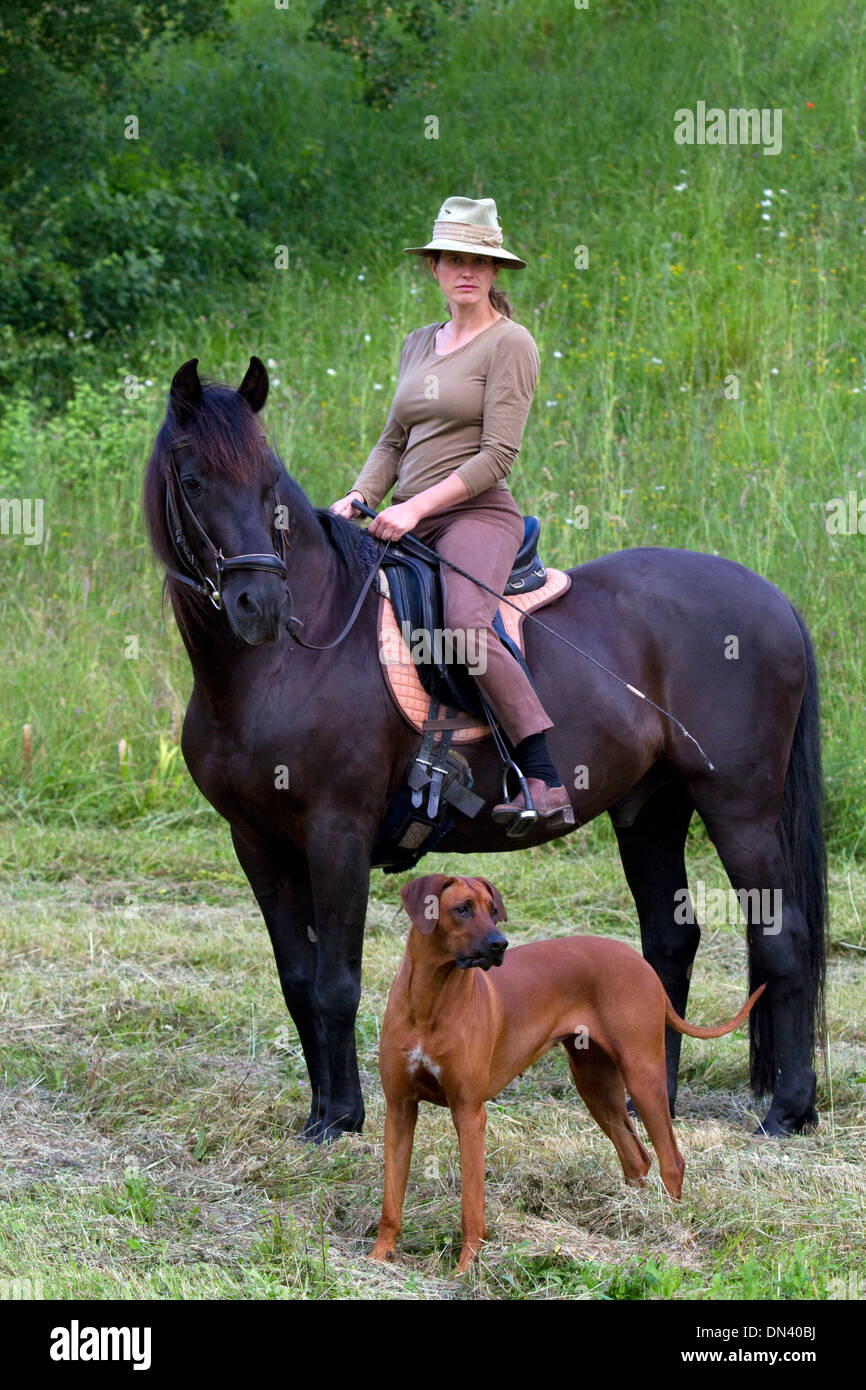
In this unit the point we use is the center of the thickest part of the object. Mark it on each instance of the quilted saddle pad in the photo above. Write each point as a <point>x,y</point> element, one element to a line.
<point>401,675</point>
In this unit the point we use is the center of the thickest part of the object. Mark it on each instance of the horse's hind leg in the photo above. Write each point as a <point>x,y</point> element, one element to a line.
<point>600,1084</point>
<point>652,853</point>
<point>779,953</point>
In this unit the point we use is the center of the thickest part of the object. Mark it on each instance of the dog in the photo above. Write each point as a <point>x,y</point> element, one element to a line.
<point>455,1035</point>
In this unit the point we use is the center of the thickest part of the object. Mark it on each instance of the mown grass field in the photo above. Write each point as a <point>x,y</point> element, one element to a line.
<point>151,1080</point>
<point>153,1087</point>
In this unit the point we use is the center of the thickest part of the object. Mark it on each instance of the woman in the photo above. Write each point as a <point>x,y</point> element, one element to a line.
<point>454,430</point>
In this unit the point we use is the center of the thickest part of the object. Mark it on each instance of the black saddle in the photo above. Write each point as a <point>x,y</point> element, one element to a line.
<point>416,594</point>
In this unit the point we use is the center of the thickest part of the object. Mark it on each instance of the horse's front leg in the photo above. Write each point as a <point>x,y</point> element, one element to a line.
<point>280,879</point>
<point>339,861</point>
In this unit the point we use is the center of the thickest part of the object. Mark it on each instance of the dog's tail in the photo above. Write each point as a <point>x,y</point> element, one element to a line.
<point>693,1031</point>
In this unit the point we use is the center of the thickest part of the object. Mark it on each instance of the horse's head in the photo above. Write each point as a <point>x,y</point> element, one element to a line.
<point>212,505</point>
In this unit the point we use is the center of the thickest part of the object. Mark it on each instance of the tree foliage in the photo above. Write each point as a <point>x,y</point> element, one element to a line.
<point>60,62</point>
<point>393,44</point>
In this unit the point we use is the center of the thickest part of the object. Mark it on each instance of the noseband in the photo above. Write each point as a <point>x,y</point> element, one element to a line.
<point>197,578</point>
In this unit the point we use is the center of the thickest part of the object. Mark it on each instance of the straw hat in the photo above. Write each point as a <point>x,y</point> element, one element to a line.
<point>468,224</point>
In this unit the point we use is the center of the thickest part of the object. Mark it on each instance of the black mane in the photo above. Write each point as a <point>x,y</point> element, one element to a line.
<point>357,550</point>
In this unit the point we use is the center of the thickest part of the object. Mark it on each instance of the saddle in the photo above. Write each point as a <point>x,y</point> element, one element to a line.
<point>436,694</point>
<point>416,595</point>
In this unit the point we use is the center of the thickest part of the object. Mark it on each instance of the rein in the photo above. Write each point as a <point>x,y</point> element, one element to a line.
<point>198,579</point>
<point>426,553</point>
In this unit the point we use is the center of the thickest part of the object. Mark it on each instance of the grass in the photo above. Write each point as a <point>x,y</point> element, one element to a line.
<point>153,1086</point>
<point>702,380</point>
<point>702,386</point>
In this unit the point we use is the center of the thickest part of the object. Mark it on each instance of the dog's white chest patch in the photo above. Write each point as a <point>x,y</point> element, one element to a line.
<point>418,1060</point>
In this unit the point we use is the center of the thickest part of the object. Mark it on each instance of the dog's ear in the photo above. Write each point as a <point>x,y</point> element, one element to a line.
<point>421,900</point>
<point>495,894</point>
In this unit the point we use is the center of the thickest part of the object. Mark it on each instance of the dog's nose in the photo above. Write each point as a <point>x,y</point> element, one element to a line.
<point>496,947</point>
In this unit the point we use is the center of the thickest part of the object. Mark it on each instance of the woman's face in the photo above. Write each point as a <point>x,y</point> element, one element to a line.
<point>464,277</point>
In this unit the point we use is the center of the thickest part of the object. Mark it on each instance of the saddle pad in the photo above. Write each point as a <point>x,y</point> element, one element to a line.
<point>400,672</point>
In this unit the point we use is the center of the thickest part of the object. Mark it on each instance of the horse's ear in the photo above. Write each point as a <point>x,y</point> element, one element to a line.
<point>421,900</point>
<point>185,394</point>
<point>254,387</point>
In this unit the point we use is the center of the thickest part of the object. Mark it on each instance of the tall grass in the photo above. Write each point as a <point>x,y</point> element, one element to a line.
<point>696,275</point>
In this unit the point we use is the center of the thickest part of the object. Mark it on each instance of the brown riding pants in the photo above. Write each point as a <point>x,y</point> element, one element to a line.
<point>483,535</point>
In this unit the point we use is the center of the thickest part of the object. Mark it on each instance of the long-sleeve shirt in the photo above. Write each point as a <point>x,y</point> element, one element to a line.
<point>463,412</point>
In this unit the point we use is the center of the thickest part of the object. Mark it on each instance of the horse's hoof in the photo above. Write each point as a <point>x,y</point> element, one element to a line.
<point>775,1126</point>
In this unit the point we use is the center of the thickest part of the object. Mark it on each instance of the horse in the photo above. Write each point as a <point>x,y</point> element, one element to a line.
<point>302,751</point>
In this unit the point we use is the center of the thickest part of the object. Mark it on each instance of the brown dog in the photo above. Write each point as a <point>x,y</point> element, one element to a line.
<point>455,1036</point>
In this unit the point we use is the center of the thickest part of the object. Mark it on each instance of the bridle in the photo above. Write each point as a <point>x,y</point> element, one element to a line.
<point>197,577</point>
<point>199,580</point>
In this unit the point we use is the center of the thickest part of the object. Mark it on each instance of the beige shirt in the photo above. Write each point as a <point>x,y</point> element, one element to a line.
<point>463,412</point>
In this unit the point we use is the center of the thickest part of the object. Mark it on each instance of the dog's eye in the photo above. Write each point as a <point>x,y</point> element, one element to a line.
<point>493,911</point>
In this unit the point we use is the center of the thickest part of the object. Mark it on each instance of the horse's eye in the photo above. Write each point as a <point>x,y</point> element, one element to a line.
<point>192,486</point>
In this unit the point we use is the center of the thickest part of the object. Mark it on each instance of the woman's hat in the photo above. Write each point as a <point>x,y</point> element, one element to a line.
<point>468,224</point>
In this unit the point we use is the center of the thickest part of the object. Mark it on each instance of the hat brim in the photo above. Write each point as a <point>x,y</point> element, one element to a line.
<point>438,244</point>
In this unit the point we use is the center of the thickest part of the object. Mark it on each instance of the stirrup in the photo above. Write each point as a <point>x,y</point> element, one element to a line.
<point>519,822</point>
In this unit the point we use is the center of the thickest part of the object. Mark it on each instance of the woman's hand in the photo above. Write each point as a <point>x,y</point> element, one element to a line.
<point>393,523</point>
<point>344,507</point>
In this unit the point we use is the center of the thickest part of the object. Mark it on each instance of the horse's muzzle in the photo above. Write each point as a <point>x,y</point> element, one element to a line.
<point>259,610</point>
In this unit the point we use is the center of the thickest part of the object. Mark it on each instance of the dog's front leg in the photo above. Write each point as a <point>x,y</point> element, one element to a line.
<point>470,1120</point>
<point>400,1119</point>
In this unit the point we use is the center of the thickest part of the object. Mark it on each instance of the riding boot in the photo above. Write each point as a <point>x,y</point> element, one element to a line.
<point>550,800</point>
<point>551,804</point>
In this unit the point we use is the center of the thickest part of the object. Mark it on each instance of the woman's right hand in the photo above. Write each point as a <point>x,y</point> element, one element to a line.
<point>344,506</point>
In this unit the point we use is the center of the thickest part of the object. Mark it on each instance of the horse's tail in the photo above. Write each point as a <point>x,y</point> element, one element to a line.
<point>693,1030</point>
<point>805,856</point>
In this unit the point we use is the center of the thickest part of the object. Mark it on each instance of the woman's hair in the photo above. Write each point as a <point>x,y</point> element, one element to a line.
<point>498,298</point>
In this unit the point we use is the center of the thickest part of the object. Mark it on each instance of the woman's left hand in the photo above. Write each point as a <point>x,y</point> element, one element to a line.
<point>393,523</point>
